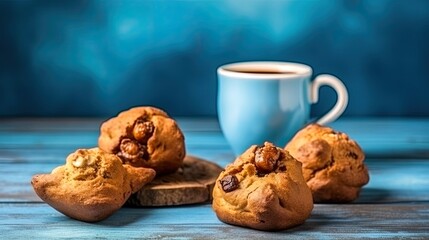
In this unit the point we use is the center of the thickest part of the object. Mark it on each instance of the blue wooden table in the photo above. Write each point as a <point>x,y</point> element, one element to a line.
<point>395,203</point>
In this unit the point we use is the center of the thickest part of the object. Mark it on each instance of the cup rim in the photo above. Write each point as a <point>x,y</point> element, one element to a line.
<point>300,70</point>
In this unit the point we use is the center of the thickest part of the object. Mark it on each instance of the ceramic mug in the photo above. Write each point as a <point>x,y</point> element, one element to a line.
<point>270,101</point>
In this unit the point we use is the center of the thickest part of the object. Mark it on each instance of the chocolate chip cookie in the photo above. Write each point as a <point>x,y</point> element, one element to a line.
<point>263,189</point>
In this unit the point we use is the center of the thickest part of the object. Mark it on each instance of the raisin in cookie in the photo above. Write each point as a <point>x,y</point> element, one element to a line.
<point>263,189</point>
<point>144,137</point>
<point>91,186</point>
<point>332,163</point>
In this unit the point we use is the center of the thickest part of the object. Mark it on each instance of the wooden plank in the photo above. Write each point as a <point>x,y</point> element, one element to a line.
<point>389,137</point>
<point>49,124</point>
<point>402,147</point>
<point>91,124</point>
<point>379,128</point>
<point>354,126</point>
<point>62,139</point>
<point>347,221</point>
<point>57,155</point>
<point>398,180</point>
<point>380,138</point>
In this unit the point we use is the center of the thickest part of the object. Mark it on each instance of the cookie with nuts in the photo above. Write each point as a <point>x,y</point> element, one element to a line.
<point>263,189</point>
<point>332,163</point>
<point>144,137</point>
<point>91,186</point>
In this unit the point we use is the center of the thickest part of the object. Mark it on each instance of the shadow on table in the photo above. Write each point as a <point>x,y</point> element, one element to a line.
<point>125,216</point>
<point>318,220</point>
<point>313,224</point>
<point>374,195</point>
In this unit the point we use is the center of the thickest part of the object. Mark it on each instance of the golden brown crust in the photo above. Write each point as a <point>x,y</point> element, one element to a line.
<point>332,163</point>
<point>163,149</point>
<point>91,186</point>
<point>266,200</point>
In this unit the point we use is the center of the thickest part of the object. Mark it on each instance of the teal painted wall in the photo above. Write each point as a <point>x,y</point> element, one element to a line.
<point>95,58</point>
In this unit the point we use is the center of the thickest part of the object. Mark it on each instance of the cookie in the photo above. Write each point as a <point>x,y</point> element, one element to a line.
<point>144,137</point>
<point>91,186</point>
<point>263,189</point>
<point>332,163</point>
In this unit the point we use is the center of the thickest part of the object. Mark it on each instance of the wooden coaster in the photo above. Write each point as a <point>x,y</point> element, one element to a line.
<point>191,183</point>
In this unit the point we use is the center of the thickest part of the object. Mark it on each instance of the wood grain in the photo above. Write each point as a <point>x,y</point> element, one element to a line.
<point>379,137</point>
<point>346,221</point>
<point>191,183</point>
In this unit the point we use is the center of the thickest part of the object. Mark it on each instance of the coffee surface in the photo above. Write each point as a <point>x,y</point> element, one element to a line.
<point>261,71</point>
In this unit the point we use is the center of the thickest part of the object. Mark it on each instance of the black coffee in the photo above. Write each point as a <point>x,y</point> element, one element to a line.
<point>263,72</point>
<point>259,70</point>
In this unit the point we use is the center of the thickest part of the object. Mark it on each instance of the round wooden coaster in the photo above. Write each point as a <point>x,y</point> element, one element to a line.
<point>191,183</point>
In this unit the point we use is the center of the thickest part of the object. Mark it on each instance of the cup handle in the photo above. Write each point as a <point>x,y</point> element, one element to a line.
<point>342,96</point>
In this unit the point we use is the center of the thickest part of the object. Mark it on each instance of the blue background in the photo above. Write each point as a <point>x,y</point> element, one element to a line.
<point>95,58</point>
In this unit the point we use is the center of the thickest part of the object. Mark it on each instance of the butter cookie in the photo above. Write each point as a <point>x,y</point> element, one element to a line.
<point>91,186</point>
